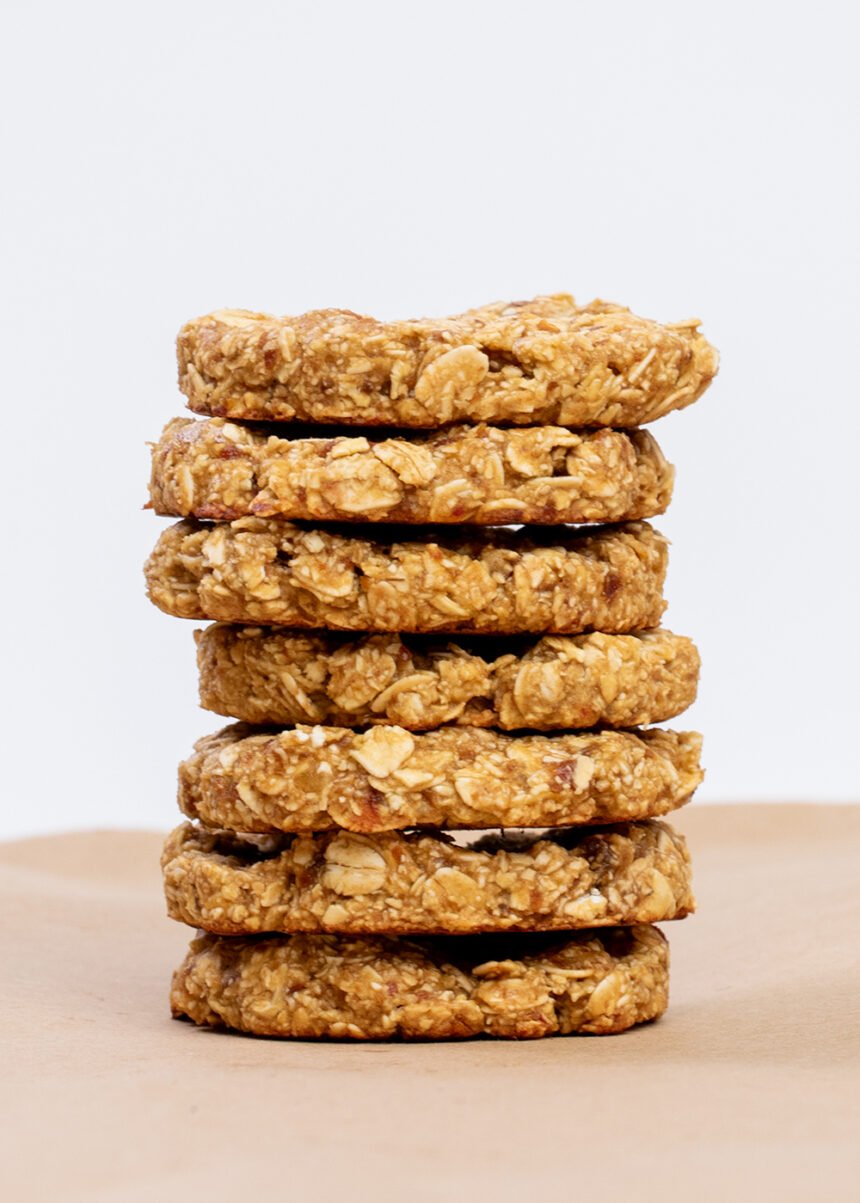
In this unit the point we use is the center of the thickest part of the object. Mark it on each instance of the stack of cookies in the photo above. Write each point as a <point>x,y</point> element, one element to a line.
<point>436,604</point>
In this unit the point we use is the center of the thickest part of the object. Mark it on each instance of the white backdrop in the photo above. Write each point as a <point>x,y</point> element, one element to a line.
<point>167,159</point>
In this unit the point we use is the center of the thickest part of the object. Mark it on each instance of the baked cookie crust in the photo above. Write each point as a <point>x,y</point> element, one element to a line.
<point>526,362</point>
<point>263,675</point>
<point>384,779</point>
<point>393,883</point>
<point>378,989</point>
<point>478,474</point>
<point>258,570</point>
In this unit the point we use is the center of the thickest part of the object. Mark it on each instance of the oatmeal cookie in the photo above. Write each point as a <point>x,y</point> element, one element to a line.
<point>265,675</point>
<point>375,988</point>
<point>547,360</point>
<point>395,883</point>
<point>324,778</point>
<point>477,474</point>
<point>259,570</point>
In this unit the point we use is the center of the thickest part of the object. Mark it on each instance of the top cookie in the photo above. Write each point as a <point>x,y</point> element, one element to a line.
<point>520,363</point>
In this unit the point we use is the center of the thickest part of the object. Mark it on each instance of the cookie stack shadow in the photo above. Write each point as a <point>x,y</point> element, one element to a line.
<point>436,597</point>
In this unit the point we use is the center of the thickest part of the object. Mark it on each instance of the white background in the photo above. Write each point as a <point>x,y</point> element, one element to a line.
<point>164,160</point>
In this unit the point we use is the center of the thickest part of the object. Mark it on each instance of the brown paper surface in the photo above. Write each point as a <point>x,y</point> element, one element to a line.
<point>747,1089</point>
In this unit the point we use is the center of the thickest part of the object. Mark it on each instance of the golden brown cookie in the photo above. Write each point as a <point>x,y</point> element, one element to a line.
<point>392,883</point>
<point>266,675</point>
<point>259,570</point>
<point>374,989</point>
<point>324,778</point>
<point>478,474</point>
<point>526,362</point>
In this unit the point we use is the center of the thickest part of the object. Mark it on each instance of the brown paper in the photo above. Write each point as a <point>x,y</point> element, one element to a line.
<point>747,1089</point>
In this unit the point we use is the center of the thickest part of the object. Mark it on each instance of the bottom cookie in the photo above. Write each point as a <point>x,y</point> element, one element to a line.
<point>374,988</point>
